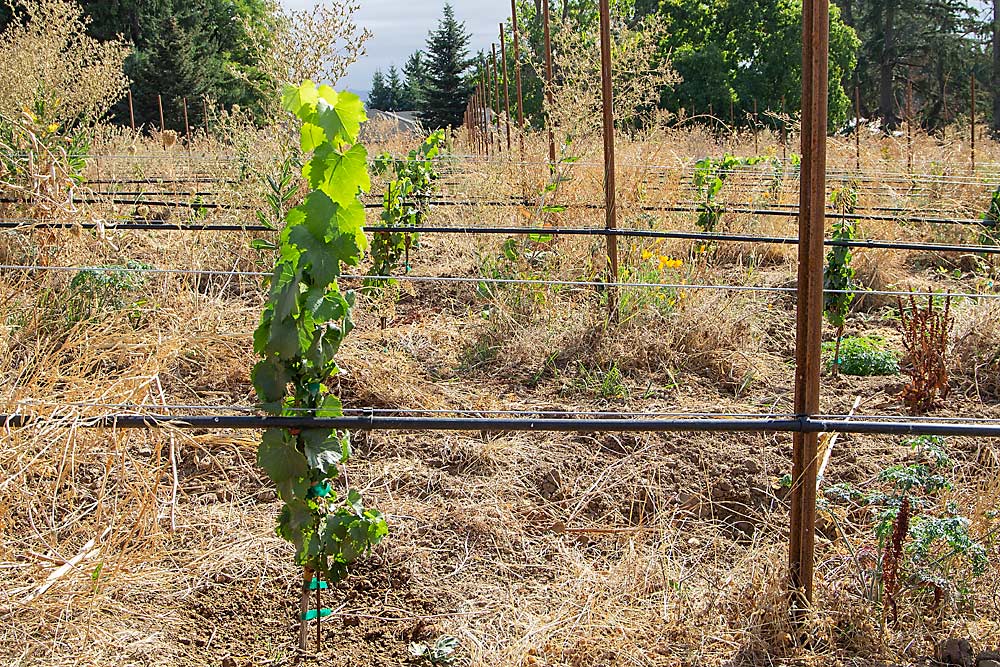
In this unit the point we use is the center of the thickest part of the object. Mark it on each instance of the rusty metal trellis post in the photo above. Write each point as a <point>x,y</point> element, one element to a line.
<point>857,128</point>
<point>909,124</point>
<point>610,204</point>
<point>131,109</point>
<point>187,125</point>
<point>495,68</point>
<point>506,82</point>
<point>809,310</point>
<point>972,117</point>
<point>549,101</point>
<point>517,88</point>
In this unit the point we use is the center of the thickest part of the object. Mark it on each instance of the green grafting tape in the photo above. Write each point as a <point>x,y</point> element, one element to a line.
<point>322,585</point>
<point>319,490</point>
<point>311,615</point>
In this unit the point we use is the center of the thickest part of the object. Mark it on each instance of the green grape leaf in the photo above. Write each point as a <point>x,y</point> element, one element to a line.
<point>340,115</point>
<point>340,175</point>
<point>300,100</point>
<point>311,136</point>
<point>323,449</point>
<point>283,339</point>
<point>331,407</point>
<point>283,463</point>
<point>270,380</point>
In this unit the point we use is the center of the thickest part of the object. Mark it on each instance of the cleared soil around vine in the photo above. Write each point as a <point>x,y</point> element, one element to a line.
<point>531,549</point>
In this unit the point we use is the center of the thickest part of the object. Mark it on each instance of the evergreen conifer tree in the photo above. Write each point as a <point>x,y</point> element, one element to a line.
<point>380,97</point>
<point>396,89</point>
<point>415,72</point>
<point>447,88</point>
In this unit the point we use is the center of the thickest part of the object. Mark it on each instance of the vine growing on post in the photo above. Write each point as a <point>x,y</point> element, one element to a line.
<point>404,205</point>
<point>301,329</point>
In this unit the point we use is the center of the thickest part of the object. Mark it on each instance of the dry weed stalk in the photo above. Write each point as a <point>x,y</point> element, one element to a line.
<point>892,558</point>
<point>317,43</point>
<point>46,55</point>
<point>638,78</point>
<point>925,334</point>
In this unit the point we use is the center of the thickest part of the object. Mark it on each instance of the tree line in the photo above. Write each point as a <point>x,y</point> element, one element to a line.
<point>733,58</point>
<point>730,57</point>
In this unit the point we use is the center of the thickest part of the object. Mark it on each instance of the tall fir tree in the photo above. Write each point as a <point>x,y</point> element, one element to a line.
<point>415,72</point>
<point>447,88</point>
<point>380,97</point>
<point>396,89</point>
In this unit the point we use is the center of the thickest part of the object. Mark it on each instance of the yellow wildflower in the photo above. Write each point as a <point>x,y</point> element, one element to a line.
<point>646,254</point>
<point>52,128</point>
<point>670,263</point>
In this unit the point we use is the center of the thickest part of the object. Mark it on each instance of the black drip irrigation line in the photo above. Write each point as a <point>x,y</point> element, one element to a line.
<point>372,422</point>
<point>550,231</point>
<point>665,208</point>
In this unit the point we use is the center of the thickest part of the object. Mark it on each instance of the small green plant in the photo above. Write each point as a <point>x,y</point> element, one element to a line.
<point>441,652</point>
<point>606,383</point>
<point>99,290</point>
<point>861,355</point>
<point>838,283</point>
<point>989,231</point>
<point>710,175</point>
<point>404,205</point>
<point>926,549</point>
<point>649,267</point>
<point>304,322</point>
<point>280,188</point>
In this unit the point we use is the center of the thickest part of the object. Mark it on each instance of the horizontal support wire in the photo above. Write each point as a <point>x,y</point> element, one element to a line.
<point>664,208</point>
<point>501,281</point>
<point>568,231</point>
<point>372,422</point>
<point>137,409</point>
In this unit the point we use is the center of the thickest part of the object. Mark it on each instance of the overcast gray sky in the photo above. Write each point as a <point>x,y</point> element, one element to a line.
<point>401,26</point>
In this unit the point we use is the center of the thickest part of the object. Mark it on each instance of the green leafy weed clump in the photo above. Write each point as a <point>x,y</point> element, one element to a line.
<point>862,355</point>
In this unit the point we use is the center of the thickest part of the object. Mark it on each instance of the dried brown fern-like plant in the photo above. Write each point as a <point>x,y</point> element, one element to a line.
<point>925,331</point>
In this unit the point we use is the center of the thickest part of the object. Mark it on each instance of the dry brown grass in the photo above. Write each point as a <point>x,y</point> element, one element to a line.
<point>546,550</point>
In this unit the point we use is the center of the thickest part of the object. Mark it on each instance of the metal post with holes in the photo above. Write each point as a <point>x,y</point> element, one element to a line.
<point>809,310</point>
<point>518,92</point>
<point>187,125</point>
<point>909,125</point>
<point>610,203</point>
<point>756,130</point>
<point>549,101</point>
<point>496,93</point>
